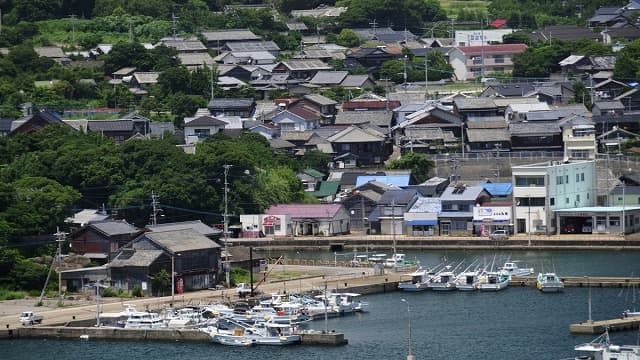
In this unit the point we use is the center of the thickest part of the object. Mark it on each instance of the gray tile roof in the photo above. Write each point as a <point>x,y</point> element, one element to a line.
<point>228,103</point>
<point>139,258</point>
<point>186,45</point>
<point>229,34</point>
<point>181,240</point>
<point>52,52</point>
<point>609,105</point>
<point>426,204</point>
<point>398,197</point>
<point>474,103</point>
<point>110,125</point>
<point>355,80</point>
<point>329,77</point>
<point>470,193</point>
<point>251,46</point>
<point>114,227</point>
<point>319,99</point>
<point>534,128</point>
<point>378,118</point>
<point>196,225</point>
<point>483,135</point>
<point>205,121</point>
<point>279,143</point>
<point>195,59</point>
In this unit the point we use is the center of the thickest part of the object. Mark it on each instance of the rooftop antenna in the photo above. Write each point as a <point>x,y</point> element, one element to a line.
<point>154,203</point>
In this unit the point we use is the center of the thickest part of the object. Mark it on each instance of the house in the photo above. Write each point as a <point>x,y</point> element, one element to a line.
<point>535,136</point>
<point>611,17</point>
<point>252,46</point>
<point>422,217</point>
<point>301,68</point>
<point>610,142</point>
<point>322,104</point>
<point>614,36</point>
<point>246,58</point>
<point>431,129</point>
<point>366,142</point>
<point>118,130</point>
<point>385,35</point>
<point>216,39</point>
<point>100,240</point>
<point>517,112</point>
<point>195,61</point>
<point>192,257</point>
<point>184,46</point>
<point>480,37</point>
<point>328,78</point>
<point>84,217</point>
<point>381,119</point>
<point>268,130</point>
<point>371,58</point>
<point>579,138</point>
<point>35,122</point>
<point>472,62</point>
<point>388,216</point>
<point>563,33</point>
<point>358,82</point>
<point>475,107</point>
<point>556,93</point>
<point>201,128</point>
<point>630,99</point>
<point>51,52</point>
<point>313,219</point>
<point>5,126</point>
<point>370,102</point>
<point>123,73</point>
<point>540,189</point>
<point>242,107</point>
<point>600,108</point>
<point>608,89</point>
<point>360,203</point>
<point>144,80</point>
<point>507,90</point>
<point>296,119</point>
<point>457,203</point>
<point>195,225</point>
<point>310,179</point>
<point>579,65</point>
<point>487,134</point>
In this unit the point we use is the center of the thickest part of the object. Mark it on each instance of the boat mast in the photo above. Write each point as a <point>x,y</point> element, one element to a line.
<point>393,225</point>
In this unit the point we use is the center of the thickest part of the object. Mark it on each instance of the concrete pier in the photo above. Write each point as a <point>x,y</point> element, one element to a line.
<point>598,327</point>
<point>173,335</point>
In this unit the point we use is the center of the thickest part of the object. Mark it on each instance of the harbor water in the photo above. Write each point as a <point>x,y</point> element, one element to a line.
<point>516,323</point>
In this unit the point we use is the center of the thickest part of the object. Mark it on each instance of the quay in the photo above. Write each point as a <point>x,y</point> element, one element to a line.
<point>361,242</point>
<point>598,327</point>
<point>173,335</point>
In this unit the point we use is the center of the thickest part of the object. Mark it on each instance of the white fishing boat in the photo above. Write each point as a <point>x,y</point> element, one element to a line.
<point>493,280</point>
<point>549,282</point>
<point>235,333</point>
<point>513,268</point>
<point>631,313</point>
<point>395,260</point>
<point>468,281</point>
<point>419,281</point>
<point>602,349</point>
<point>443,281</point>
<point>144,320</point>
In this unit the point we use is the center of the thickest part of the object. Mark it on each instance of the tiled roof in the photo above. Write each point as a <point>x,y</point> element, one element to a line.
<point>304,112</point>
<point>196,225</point>
<point>181,240</point>
<point>251,46</point>
<point>354,105</point>
<point>230,103</point>
<point>110,125</point>
<point>354,80</point>
<point>329,77</point>
<point>114,227</point>
<point>398,197</point>
<point>327,188</point>
<point>205,121</point>
<point>305,64</point>
<point>533,128</point>
<point>195,59</point>
<point>186,45</point>
<point>378,118</point>
<point>139,258</point>
<point>395,180</point>
<point>484,135</point>
<point>229,34</point>
<point>317,211</point>
<point>146,77</point>
<point>319,99</point>
<point>52,52</point>
<point>469,193</point>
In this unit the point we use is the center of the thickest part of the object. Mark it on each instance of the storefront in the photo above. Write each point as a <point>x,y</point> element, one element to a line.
<point>599,220</point>
<point>487,219</point>
<point>421,224</point>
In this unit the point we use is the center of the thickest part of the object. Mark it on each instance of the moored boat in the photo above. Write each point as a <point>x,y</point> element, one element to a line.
<point>513,268</point>
<point>601,349</point>
<point>493,280</point>
<point>419,281</point>
<point>549,282</point>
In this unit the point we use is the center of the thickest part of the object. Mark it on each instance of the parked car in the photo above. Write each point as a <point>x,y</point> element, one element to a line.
<point>570,229</point>
<point>29,318</point>
<point>499,235</point>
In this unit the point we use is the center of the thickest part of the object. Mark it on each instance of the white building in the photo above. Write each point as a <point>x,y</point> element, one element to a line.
<point>540,189</point>
<point>480,37</point>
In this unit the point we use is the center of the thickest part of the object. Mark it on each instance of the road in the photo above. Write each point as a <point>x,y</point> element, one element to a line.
<point>308,278</point>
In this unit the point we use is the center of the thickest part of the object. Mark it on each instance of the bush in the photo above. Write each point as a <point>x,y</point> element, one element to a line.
<point>137,291</point>
<point>109,292</point>
<point>238,275</point>
<point>6,294</point>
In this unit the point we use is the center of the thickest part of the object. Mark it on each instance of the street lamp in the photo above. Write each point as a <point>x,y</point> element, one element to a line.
<point>410,355</point>
<point>226,224</point>
<point>589,285</point>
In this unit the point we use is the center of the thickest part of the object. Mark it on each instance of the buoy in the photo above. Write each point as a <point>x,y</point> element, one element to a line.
<point>84,337</point>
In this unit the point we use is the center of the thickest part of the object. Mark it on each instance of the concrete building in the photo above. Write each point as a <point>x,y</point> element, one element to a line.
<point>543,188</point>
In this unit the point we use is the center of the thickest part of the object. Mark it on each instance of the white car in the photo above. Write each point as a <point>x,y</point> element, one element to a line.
<point>499,235</point>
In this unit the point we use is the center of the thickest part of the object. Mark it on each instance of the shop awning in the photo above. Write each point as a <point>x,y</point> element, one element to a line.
<point>421,222</point>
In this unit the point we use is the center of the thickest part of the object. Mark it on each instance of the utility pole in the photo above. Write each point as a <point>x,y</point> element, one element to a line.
<point>426,75</point>
<point>226,224</point>
<point>154,204</point>
<point>174,22</point>
<point>73,29</point>
<point>373,26</point>
<point>61,237</point>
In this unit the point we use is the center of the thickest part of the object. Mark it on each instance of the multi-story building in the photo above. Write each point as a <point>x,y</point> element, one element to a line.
<point>542,188</point>
<point>471,62</point>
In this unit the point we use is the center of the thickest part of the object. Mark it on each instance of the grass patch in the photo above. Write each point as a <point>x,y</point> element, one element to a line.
<point>283,275</point>
<point>12,294</point>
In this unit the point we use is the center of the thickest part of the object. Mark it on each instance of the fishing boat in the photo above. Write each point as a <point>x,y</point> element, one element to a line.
<point>236,333</point>
<point>468,280</point>
<point>144,320</point>
<point>513,268</point>
<point>549,282</point>
<point>631,313</point>
<point>601,349</point>
<point>419,281</point>
<point>443,280</point>
<point>494,280</point>
<point>395,260</point>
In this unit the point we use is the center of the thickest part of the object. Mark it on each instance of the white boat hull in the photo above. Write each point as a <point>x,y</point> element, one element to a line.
<point>413,287</point>
<point>494,287</point>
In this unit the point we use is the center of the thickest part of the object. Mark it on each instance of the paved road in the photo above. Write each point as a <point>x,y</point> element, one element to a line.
<point>310,278</point>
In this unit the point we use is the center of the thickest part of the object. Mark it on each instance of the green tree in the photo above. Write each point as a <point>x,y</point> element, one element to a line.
<point>348,38</point>
<point>127,54</point>
<point>161,282</point>
<point>628,62</point>
<point>419,165</point>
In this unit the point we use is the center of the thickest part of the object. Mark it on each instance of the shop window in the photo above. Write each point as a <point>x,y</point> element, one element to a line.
<point>614,221</point>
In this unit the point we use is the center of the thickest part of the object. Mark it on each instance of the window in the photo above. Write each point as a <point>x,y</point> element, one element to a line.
<point>498,69</point>
<point>201,133</point>
<point>582,177</point>
<point>526,201</point>
<point>619,198</point>
<point>614,221</point>
<point>499,59</point>
<point>559,180</point>
<point>477,60</point>
<point>578,197</point>
<point>529,180</point>
<point>566,200</point>
<point>552,201</point>
<point>566,179</point>
<point>577,177</point>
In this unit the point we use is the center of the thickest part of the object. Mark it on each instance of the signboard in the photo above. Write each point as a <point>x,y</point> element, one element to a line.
<point>270,220</point>
<point>144,286</point>
<point>179,286</point>
<point>490,214</point>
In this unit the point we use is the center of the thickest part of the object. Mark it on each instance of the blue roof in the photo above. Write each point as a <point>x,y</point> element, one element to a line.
<point>396,180</point>
<point>497,189</point>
